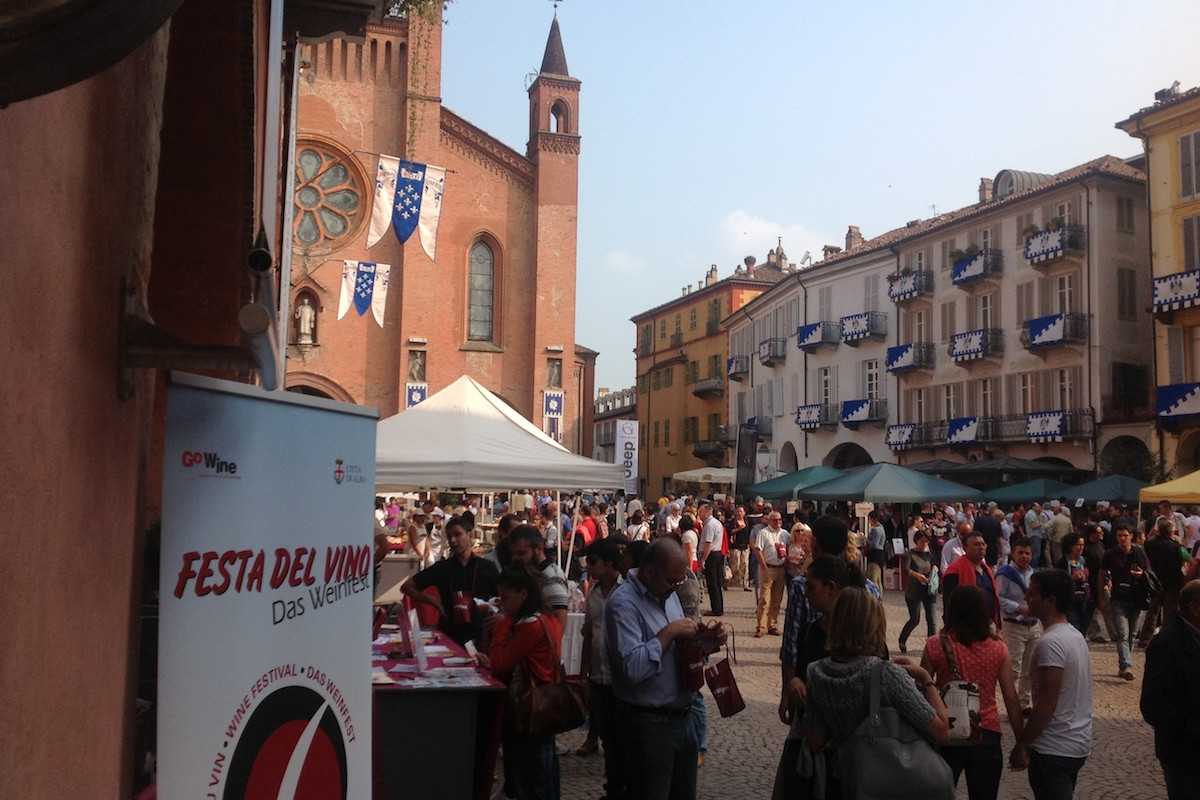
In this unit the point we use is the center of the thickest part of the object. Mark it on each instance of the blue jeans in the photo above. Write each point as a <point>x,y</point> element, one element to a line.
<point>1053,777</point>
<point>700,722</point>
<point>661,753</point>
<point>1126,616</point>
<point>914,615</point>
<point>983,763</point>
<point>1036,542</point>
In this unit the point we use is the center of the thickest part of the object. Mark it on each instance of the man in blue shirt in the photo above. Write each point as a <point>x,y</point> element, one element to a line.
<point>642,620</point>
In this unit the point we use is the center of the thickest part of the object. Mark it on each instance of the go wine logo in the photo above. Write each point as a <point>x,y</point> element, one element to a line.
<point>290,747</point>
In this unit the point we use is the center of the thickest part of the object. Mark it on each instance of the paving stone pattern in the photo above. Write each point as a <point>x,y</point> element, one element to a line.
<point>744,750</point>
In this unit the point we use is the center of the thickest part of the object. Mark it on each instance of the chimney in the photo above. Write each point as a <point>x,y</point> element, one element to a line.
<point>749,261</point>
<point>829,250</point>
<point>985,190</point>
<point>711,277</point>
<point>854,237</point>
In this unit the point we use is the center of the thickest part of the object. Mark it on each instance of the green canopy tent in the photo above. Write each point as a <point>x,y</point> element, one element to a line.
<point>888,483</point>
<point>1038,489</point>
<point>1114,488</point>
<point>786,486</point>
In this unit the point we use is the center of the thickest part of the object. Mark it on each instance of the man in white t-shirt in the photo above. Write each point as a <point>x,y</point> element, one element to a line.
<point>1191,528</point>
<point>712,558</point>
<point>1057,738</point>
<point>769,548</point>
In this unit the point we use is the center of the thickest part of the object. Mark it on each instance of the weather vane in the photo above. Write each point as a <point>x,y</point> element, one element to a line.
<point>556,2</point>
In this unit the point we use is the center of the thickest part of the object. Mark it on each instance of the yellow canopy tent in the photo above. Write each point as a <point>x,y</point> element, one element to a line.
<point>1180,490</point>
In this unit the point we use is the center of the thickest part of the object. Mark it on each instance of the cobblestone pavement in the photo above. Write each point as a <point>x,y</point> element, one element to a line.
<point>744,749</point>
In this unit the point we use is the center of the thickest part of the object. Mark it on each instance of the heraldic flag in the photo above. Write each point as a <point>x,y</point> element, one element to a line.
<point>411,195</point>
<point>364,285</point>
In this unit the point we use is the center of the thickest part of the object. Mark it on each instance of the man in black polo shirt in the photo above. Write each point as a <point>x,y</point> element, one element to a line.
<point>458,579</point>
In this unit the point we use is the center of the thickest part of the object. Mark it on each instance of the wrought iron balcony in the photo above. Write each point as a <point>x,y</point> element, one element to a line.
<point>728,435</point>
<point>817,415</point>
<point>709,387</point>
<point>1045,247</point>
<point>1127,407</point>
<point>911,285</point>
<point>708,447</point>
<point>972,345</point>
<point>765,427</point>
<point>976,266</point>
<point>812,336</point>
<point>1041,426</point>
<point>676,339</point>
<point>712,328</point>
<point>737,367</point>
<point>858,412</point>
<point>772,351</point>
<point>905,357</point>
<point>867,325</point>
<point>1045,333</point>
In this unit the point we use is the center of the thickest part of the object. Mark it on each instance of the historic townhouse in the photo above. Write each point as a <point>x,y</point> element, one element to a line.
<point>681,377</point>
<point>611,409</point>
<point>1170,133</point>
<point>1012,327</point>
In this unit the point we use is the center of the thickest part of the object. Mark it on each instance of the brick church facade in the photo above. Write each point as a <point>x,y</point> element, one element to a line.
<point>498,303</point>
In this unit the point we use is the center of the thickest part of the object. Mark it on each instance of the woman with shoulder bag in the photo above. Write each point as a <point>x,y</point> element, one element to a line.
<point>525,650</point>
<point>967,651</point>
<point>839,698</point>
<point>920,569</point>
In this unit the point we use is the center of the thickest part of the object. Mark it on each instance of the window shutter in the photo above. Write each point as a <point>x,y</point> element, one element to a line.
<point>1187,165</point>
<point>1175,366</point>
<point>1191,236</point>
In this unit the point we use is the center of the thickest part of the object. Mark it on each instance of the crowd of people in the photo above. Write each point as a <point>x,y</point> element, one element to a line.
<point>1022,590</point>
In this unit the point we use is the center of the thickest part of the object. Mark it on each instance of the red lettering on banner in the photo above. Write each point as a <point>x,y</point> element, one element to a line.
<point>283,560</point>
<point>185,574</point>
<point>206,572</point>
<point>255,579</point>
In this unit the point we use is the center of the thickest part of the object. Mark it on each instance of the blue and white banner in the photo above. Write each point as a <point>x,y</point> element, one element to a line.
<point>963,430</point>
<point>903,287</point>
<point>1044,426</point>
<point>364,285</point>
<point>1178,400</point>
<point>265,590</point>
<point>1044,245</point>
<point>1047,331</point>
<point>415,394</point>
<point>408,197</point>
<point>856,411</point>
<point>966,346</point>
<point>1181,290</point>
<point>731,366</point>
<point>856,326</point>
<point>900,437</point>
<point>809,417</point>
<point>552,404</point>
<point>968,268</point>
<point>808,335</point>
<point>900,358</point>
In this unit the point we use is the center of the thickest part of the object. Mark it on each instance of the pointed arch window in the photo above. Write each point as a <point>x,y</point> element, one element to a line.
<point>481,294</point>
<point>560,121</point>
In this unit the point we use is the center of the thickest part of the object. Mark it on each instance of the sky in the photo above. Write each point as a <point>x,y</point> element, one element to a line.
<point>711,130</point>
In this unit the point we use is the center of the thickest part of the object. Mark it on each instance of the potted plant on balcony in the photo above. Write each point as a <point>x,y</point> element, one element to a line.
<point>973,250</point>
<point>1054,224</point>
<point>1031,231</point>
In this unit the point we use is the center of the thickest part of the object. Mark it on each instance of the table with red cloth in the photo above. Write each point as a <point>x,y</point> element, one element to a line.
<point>439,740</point>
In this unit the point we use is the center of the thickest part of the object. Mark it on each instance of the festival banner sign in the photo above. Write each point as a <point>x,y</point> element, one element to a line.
<point>265,594</point>
<point>627,452</point>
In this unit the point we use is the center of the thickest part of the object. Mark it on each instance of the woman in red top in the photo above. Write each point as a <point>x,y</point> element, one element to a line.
<point>982,658</point>
<point>524,650</point>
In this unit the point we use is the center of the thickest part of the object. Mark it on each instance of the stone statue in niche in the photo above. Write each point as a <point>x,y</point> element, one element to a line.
<point>306,322</point>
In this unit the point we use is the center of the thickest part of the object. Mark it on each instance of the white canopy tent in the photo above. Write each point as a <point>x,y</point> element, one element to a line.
<point>719,475</point>
<point>465,437</point>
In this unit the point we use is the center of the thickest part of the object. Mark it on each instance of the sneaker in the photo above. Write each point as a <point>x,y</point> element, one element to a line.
<point>1127,674</point>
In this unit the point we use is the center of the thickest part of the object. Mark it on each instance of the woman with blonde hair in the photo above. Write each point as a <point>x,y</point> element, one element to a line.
<point>839,687</point>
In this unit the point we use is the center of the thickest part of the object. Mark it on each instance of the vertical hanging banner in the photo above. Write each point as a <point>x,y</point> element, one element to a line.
<point>627,452</point>
<point>364,285</point>
<point>385,193</point>
<point>265,591</point>
<point>408,197</point>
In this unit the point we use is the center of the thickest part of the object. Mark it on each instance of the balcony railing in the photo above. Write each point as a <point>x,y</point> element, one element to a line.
<point>1178,290</point>
<point>765,427</point>
<point>909,286</point>
<point>709,387</point>
<point>1045,247</point>
<point>905,357</point>
<point>868,324</point>
<point>858,412</point>
<point>1041,426</point>
<point>708,447</point>
<point>900,437</point>
<point>976,266</point>
<point>817,415</point>
<point>812,336</point>
<point>977,344</point>
<point>728,435</point>
<point>1044,333</point>
<point>676,339</point>
<point>1127,407</point>
<point>772,351</point>
<point>737,367</point>
<point>712,328</point>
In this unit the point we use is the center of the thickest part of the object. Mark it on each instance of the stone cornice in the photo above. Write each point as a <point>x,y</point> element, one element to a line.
<point>485,149</point>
